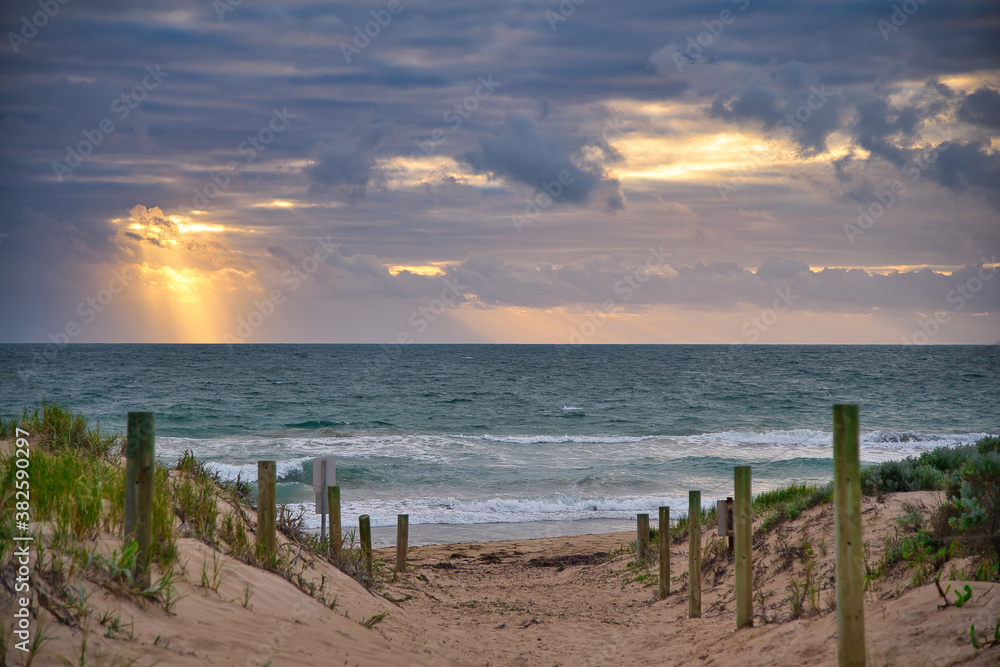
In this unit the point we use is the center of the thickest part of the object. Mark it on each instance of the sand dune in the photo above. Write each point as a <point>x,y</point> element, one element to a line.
<point>553,601</point>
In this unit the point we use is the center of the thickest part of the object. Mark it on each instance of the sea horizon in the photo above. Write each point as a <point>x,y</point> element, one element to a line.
<point>495,441</point>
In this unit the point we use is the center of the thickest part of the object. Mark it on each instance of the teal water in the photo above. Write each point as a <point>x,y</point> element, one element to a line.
<point>508,440</point>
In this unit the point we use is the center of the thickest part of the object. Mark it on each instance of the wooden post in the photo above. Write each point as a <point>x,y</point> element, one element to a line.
<point>743,525</point>
<point>137,431</point>
<point>267,532</point>
<point>664,535</point>
<point>694,554</point>
<point>642,538</point>
<point>139,451</point>
<point>366,543</point>
<point>336,534</point>
<point>402,535</point>
<point>850,550</point>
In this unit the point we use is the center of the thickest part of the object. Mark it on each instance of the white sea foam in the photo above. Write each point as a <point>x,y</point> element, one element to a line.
<point>232,456</point>
<point>563,439</point>
<point>556,507</point>
<point>247,472</point>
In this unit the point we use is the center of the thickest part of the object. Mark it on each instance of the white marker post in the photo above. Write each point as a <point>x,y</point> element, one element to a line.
<point>324,475</point>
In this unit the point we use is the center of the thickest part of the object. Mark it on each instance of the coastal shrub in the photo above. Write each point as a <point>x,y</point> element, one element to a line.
<point>889,477</point>
<point>990,443</point>
<point>980,503</point>
<point>970,518</point>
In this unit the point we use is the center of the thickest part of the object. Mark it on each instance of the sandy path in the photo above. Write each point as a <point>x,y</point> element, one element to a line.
<point>551,601</point>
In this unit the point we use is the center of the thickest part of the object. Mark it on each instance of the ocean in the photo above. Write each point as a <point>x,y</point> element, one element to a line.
<point>484,442</point>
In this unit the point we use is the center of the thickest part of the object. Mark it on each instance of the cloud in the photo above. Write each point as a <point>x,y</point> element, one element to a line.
<point>348,168</point>
<point>524,154</point>
<point>932,85</point>
<point>981,108</point>
<point>792,100</point>
<point>488,280</point>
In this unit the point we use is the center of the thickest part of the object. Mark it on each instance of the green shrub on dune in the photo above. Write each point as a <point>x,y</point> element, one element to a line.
<point>969,520</point>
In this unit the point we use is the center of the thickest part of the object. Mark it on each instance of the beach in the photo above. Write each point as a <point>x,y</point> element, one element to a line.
<point>522,470</point>
<point>471,441</point>
<point>551,601</point>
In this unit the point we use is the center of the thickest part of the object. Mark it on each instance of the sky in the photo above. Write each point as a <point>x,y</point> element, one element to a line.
<point>536,171</point>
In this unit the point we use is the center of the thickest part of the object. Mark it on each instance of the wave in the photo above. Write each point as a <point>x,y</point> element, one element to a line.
<point>564,439</point>
<point>872,440</point>
<point>232,456</point>
<point>455,511</point>
<point>316,424</point>
<point>247,472</point>
<point>935,439</point>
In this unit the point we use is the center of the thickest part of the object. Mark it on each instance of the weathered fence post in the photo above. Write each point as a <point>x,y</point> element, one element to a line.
<point>364,523</point>
<point>267,482</point>
<point>743,525</point>
<point>641,538</point>
<point>402,535</point>
<point>140,463</point>
<point>336,534</point>
<point>850,550</point>
<point>664,535</point>
<point>694,554</point>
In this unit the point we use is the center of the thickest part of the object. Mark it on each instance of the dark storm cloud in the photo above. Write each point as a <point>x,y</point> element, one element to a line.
<point>348,168</point>
<point>809,71</point>
<point>897,134</point>
<point>981,108</point>
<point>524,154</point>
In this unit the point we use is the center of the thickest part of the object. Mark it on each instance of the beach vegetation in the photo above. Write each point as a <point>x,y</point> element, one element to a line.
<point>212,579</point>
<point>77,491</point>
<point>986,643</point>
<point>786,504</point>
<point>78,496</point>
<point>679,531</point>
<point>966,524</point>
<point>247,594</point>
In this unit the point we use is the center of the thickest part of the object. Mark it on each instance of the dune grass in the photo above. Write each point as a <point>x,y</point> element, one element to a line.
<point>77,491</point>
